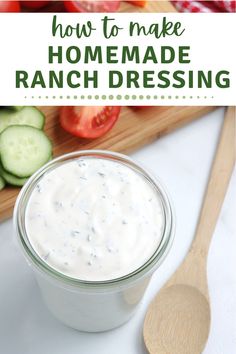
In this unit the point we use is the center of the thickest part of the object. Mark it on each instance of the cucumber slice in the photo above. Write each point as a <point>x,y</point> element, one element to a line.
<point>2,183</point>
<point>27,116</point>
<point>17,108</point>
<point>11,179</point>
<point>24,149</point>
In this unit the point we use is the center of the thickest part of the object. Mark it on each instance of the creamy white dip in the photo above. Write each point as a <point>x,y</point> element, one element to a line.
<point>94,219</point>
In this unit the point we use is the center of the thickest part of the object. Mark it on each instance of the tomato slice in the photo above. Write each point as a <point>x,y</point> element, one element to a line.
<point>88,122</point>
<point>9,6</point>
<point>140,3</point>
<point>92,6</point>
<point>35,4</point>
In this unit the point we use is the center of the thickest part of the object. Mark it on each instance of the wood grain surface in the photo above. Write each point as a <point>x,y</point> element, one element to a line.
<point>134,129</point>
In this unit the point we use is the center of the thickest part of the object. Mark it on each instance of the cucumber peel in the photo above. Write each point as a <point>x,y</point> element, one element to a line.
<point>11,179</point>
<point>16,108</point>
<point>12,108</point>
<point>2,183</point>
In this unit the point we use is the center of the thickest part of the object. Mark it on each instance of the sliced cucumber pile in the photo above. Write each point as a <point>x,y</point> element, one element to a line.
<point>2,183</point>
<point>24,149</point>
<point>25,116</point>
<point>11,179</point>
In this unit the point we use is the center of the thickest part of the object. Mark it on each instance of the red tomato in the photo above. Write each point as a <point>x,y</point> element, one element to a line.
<point>35,4</point>
<point>92,6</point>
<point>9,6</point>
<point>88,122</point>
<point>140,107</point>
<point>140,3</point>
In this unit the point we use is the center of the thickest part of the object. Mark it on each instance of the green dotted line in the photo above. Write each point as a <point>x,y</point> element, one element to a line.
<point>119,97</point>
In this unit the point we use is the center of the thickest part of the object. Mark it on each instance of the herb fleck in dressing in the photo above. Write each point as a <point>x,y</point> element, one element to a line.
<point>94,219</point>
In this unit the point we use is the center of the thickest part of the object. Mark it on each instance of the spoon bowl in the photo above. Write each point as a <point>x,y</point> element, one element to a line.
<point>180,316</point>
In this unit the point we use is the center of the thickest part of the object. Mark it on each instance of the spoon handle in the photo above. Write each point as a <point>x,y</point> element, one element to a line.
<point>193,269</point>
<point>221,172</point>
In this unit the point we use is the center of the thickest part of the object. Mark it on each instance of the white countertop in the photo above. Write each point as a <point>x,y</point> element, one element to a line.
<point>182,160</point>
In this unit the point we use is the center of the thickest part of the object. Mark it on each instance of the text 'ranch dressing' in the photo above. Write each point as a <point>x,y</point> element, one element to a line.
<point>94,219</point>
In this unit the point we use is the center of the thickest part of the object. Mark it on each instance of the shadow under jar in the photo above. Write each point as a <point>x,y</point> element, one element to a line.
<point>102,293</point>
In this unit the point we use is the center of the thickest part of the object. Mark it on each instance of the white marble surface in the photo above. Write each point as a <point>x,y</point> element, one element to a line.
<point>182,161</point>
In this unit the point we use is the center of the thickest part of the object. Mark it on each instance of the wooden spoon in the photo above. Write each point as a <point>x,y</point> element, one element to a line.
<point>178,319</point>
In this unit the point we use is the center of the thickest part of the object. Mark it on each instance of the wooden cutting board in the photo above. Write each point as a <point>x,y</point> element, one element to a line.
<point>134,129</point>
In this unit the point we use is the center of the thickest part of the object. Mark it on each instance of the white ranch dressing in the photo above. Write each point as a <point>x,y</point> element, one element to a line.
<point>94,219</point>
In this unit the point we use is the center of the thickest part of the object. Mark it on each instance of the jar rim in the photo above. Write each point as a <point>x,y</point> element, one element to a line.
<point>149,266</point>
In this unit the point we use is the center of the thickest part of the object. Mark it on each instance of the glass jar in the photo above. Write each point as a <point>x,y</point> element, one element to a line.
<point>92,306</point>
